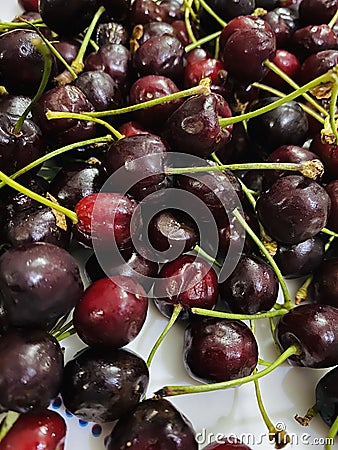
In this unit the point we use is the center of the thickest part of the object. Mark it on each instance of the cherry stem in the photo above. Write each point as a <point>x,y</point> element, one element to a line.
<point>210,11</point>
<point>202,41</point>
<point>39,198</point>
<point>330,76</point>
<point>332,109</point>
<point>205,255</point>
<point>58,326</point>
<point>59,151</point>
<point>290,81</point>
<point>331,435</point>
<point>61,329</point>
<point>203,88</point>
<point>77,65</point>
<point>51,115</point>
<point>170,391</point>
<point>273,91</point>
<point>226,315</point>
<point>42,48</point>
<point>187,11</point>
<point>302,292</point>
<point>333,21</point>
<point>7,26</point>
<point>310,414</point>
<point>7,423</point>
<point>311,169</point>
<point>176,312</point>
<point>329,232</point>
<point>287,299</point>
<point>65,335</point>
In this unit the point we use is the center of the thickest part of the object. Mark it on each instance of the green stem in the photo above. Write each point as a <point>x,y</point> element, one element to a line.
<point>7,26</point>
<point>233,316</point>
<point>287,299</point>
<point>329,232</point>
<point>205,255</point>
<point>65,335</point>
<point>332,109</point>
<point>270,426</point>
<point>62,329</point>
<point>42,48</point>
<point>8,422</point>
<point>202,88</point>
<point>262,362</point>
<point>325,78</point>
<point>202,41</point>
<point>79,116</point>
<point>334,19</point>
<point>210,11</point>
<point>302,292</point>
<point>94,45</point>
<point>56,329</point>
<point>77,64</point>
<point>187,10</point>
<point>169,391</point>
<point>294,85</point>
<point>57,152</point>
<point>273,334</point>
<point>176,312</point>
<point>331,435</point>
<point>39,198</point>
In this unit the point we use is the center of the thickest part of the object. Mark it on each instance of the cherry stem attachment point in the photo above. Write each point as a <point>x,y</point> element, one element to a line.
<point>287,299</point>
<point>176,312</point>
<point>39,198</point>
<point>235,316</point>
<point>170,391</point>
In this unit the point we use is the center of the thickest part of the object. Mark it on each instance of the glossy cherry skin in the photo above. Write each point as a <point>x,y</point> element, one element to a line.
<point>284,22</point>
<point>60,132</point>
<point>285,125</point>
<point>77,180</point>
<point>317,64</point>
<point>146,11</point>
<point>316,12</point>
<point>32,365</point>
<point>288,63</point>
<point>29,5</point>
<point>45,430</point>
<point>252,287</point>
<point>67,19</point>
<point>194,127</point>
<point>102,385</point>
<point>301,259</point>
<point>155,29</point>
<point>332,190</point>
<point>14,105</point>
<point>188,281</point>
<point>148,88</point>
<point>327,396</point>
<point>219,350</point>
<point>111,312</point>
<point>40,283</point>
<point>314,328</point>
<point>153,423</point>
<point>325,282</point>
<point>141,176</point>
<point>104,216</point>
<point>131,128</point>
<point>226,444</point>
<point>293,209</point>
<point>313,39</point>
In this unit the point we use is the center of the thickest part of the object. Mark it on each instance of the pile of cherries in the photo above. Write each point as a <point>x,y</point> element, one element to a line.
<point>106,108</point>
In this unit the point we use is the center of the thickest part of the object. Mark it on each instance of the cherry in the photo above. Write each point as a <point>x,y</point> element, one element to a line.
<point>32,431</point>
<point>219,349</point>
<point>32,365</point>
<point>153,423</point>
<point>252,287</point>
<point>293,209</point>
<point>180,31</point>
<point>332,190</point>
<point>103,385</point>
<point>314,329</point>
<point>67,19</point>
<point>111,33</point>
<point>325,282</point>
<point>145,11</point>
<point>226,444</point>
<point>131,128</point>
<point>327,396</point>
<point>77,180</point>
<point>284,22</point>
<point>172,10</point>
<point>40,283</point>
<point>313,39</point>
<point>68,49</point>
<point>29,5</point>
<point>328,154</point>
<point>317,12</point>
<point>226,11</point>
<point>285,125</point>
<point>288,63</point>
<point>111,312</point>
<point>211,68</point>
<point>317,64</point>
<point>194,127</point>
<point>155,29</point>
<point>104,216</point>
<point>148,88</point>
<point>14,105</point>
<point>187,281</point>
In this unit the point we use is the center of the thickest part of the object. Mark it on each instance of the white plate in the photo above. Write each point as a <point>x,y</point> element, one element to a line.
<point>286,392</point>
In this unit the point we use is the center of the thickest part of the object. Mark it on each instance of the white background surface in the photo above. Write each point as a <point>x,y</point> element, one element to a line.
<point>286,392</point>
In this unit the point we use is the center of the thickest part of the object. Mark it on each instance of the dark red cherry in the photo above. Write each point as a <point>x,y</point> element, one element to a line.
<point>103,385</point>
<point>68,99</point>
<point>210,67</point>
<point>313,39</point>
<point>301,259</point>
<point>332,190</point>
<point>327,396</point>
<point>288,63</point>
<point>68,49</point>
<point>155,29</point>
<point>317,64</point>
<point>31,431</point>
<point>111,313</point>
<point>67,19</point>
<point>314,328</point>
<point>145,11</point>
<point>31,370</point>
<point>317,12</point>
<point>284,22</point>
<point>188,281</point>
<point>148,88</point>
<point>328,154</point>
<point>172,10</point>
<point>226,444</point>
<point>153,423</point>
<point>29,5</point>
<point>218,350</point>
<point>40,283</point>
<point>325,282</point>
<point>194,127</point>
<point>131,128</point>
<point>252,287</point>
<point>293,209</point>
